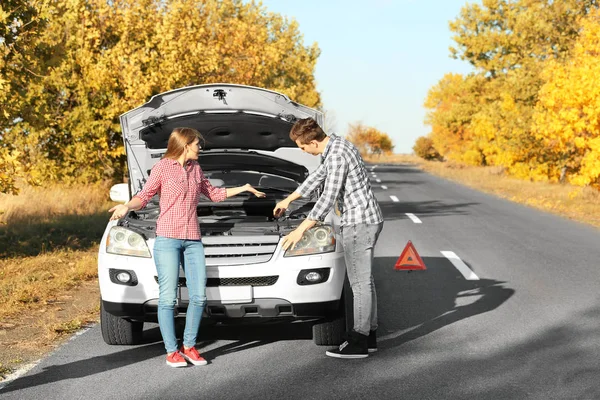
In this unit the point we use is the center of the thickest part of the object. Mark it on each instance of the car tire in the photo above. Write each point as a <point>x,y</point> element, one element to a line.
<point>333,330</point>
<point>119,331</point>
<point>329,333</point>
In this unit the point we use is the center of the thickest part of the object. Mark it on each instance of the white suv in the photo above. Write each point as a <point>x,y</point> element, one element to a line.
<point>249,275</point>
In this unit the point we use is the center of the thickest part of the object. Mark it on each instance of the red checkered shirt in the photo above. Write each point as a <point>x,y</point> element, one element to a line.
<point>178,189</point>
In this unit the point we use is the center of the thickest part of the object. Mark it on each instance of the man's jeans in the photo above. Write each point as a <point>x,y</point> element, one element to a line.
<point>359,244</point>
<point>168,255</point>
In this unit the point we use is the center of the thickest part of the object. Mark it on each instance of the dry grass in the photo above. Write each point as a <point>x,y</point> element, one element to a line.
<point>30,335</point>
<point>30,283</point>
<point>48,253</point>
<point>36,204</point>
<point>48,243</point>
<point>394,159</point>
<point>42,220</point>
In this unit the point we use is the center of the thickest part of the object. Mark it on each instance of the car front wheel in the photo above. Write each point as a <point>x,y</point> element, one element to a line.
<point>119,331</point>
<point>332,331</point>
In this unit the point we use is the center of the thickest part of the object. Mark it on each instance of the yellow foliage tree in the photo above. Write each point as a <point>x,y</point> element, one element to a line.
<point>94,60</point>
<point>486,118</point>
<point>10,168</point>
<point>368,140</point>
<point>567,118</point>
<point>452,104</point>
<point>22,61</point>
<point>424,148</point>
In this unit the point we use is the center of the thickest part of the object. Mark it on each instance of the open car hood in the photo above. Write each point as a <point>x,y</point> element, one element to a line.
<point>228,116</point>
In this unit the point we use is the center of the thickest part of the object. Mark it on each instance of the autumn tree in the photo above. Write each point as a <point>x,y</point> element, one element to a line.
<point>508,42</point>
<point>486,118</point>
<point>23,59</point>
<point>368,140</point>
<point>452,103</point>
<point>424,148</point>
<point>567,118</point>
<point>92,60</point>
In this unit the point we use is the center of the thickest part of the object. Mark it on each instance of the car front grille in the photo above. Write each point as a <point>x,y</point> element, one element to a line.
<point>238,250</point>
<point>246,281</point>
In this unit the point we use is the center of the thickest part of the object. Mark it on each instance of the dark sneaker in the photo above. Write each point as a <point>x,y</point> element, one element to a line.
<point>175,359</point>
<point>372,341</point>
<point>354,347</point>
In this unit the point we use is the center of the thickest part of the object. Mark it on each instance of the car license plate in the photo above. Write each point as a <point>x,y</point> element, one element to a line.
<point>224,294</point>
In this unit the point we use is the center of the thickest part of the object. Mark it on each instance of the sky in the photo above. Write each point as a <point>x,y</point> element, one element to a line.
<point>378,59</point>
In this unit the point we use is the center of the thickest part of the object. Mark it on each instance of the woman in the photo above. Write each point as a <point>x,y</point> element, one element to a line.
<point>179,180</point>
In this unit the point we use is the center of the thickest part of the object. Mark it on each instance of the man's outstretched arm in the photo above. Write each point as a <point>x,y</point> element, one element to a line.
<point>308,186</point>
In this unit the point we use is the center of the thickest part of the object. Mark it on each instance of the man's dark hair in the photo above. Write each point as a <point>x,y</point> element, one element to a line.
<point>305,130</point>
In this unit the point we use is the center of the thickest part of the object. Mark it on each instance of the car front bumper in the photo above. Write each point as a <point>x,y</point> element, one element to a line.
<point>267,308</point>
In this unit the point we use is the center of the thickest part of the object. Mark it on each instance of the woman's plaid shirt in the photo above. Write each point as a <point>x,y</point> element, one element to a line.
<point>345,179</point>
<point>179,189</point>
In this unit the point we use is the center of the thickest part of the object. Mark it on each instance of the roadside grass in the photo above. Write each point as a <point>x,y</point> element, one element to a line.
<point>48,249</point>
<point>394,159</point>
<point>43,220</point>
<point>48,243</point>
<point>31,283</point>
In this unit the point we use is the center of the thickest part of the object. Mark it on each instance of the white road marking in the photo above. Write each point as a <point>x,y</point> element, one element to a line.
<point>414,218</point>
<point>373,175</point>
<point>384,187</point>
<point>378,180</point>
<point>394,198</point>
<point>460,266</point>
<point>373,167</point>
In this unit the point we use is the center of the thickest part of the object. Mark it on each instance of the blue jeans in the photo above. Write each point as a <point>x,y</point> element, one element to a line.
<point>168,255</point>
<point>359,244</point>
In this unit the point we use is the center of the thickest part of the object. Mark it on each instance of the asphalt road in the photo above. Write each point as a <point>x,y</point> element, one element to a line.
<point>514,313</point>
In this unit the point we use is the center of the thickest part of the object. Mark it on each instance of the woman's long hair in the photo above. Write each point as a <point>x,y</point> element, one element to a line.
<point>179,138</point>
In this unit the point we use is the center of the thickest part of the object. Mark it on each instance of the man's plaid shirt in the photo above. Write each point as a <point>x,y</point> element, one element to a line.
<point>345,177</point>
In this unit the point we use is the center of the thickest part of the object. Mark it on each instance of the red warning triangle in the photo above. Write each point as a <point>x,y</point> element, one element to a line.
<point>409,259</point>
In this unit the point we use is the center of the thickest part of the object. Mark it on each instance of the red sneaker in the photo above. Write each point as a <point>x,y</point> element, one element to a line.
<point>176,360</point>
<point>193,356</point>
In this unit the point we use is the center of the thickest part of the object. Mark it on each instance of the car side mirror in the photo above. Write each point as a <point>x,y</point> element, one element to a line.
<point>120,193</point>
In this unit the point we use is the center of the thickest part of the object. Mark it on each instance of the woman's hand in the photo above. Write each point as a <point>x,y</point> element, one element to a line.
<point>118,211</point>
<point>248,188</point>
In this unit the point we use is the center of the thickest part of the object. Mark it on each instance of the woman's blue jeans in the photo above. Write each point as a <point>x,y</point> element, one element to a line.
<point>168,255</point>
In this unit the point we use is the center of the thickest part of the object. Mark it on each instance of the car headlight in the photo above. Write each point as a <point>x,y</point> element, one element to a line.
<point>318,239</point>
<point>126,242</point>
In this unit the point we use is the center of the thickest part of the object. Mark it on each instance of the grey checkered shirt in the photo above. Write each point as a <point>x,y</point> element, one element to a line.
<point>345,177</point>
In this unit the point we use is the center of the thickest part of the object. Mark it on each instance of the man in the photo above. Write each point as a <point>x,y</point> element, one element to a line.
<point>345,177</point>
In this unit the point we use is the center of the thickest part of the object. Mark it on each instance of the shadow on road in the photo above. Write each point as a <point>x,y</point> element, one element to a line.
<point>395,168</point>
<point>245,336</point>
<point>423,209</point>
<point>555,362</point>
<point>415,303</point>
<point>393,183</point>
<point>152,347</point>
